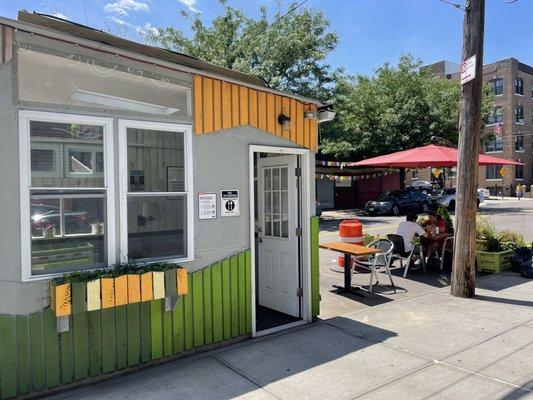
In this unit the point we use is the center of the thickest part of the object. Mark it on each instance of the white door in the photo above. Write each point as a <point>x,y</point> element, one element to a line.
<point>278,269</point>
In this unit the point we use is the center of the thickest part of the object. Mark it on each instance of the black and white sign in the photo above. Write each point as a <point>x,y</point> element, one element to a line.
<point>207,205</point>
<point>229,204</point>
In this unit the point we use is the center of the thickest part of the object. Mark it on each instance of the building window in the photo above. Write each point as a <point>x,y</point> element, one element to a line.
<point>496,116</point>
<point>494,145</point>
<point>519,143</point>
<point>519,172</point>
<point>497,86</point>
<point>492,172</point>
<point>67,189</point>
<point>519,114</point>
<point>519,86</point>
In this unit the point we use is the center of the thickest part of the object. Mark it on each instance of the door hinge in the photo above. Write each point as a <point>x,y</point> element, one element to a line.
<point>299,292</point>
<point>298,172</point>
<point>298,232</point>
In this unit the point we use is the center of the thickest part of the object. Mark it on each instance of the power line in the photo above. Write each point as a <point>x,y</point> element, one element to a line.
<point>459,6</point>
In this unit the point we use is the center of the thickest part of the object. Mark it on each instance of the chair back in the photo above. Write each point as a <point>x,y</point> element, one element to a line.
<point>384,256</point>
<point>398,243</point>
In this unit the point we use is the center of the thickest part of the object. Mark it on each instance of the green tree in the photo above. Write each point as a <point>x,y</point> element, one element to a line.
<point>399,108</point>
<point>287,50</point>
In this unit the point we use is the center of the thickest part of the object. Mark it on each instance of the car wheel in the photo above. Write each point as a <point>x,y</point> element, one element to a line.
<point>451,206</point>
<point>425,207</point>
<point>395,210</point>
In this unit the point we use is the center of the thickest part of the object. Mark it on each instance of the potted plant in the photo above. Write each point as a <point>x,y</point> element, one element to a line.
<point>498,248</point>
<point>49,232</point>
<point>97,228</point>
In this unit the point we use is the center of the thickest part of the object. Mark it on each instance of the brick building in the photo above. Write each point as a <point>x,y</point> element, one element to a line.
<point>511,121</point>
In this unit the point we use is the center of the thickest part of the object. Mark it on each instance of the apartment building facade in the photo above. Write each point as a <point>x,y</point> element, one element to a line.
<point>511,121</point>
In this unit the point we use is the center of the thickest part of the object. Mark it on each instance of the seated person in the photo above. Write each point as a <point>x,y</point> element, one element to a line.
<point>408,229</point>
<point>435,227</point>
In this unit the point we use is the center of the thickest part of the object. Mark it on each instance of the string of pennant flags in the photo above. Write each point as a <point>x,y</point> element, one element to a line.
<point>353,177</point>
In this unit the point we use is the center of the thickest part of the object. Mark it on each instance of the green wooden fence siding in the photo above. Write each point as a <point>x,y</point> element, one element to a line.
<point>34,356</point>
<point>109,340</point>
<point>8,362</point>
<point>22,337</point>
<point>208,305</point>
<point>315,271</point>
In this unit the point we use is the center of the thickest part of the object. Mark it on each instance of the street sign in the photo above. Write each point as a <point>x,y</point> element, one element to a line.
<point>468,70</point>
<point>503,172</point>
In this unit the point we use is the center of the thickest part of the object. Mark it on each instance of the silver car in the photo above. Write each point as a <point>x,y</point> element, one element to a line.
<point>446,198</point>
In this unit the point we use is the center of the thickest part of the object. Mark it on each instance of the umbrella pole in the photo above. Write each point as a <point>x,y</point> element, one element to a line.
<point>402,178</point>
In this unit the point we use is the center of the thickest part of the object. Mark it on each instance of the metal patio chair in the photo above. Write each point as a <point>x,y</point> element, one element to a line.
<point>445,249</point>
<point>377,261</point>
<point>399,253</point>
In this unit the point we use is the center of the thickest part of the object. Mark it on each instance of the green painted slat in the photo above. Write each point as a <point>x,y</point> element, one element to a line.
<point>109,340</point>
<point>234,290</point>
<point>156,328</point>
<point>134,333</point>
<point>198,308</point>
<point>51,349</point>
<point>242,293</point>
<point>167,333</point>
<point>146,351</point>
<point>95,342</point>
<point>80,332</point>
<point>36,348</point>
<point>248,290</point>
<point>178,331</point>
<point>121,327</point>
<point>188,321</point>
<point>79,297</point>
<point>226,299</point>
<point>208,306</point>
<point>315,268</point>
<point>67,356</point>
<point>216,290</point>
<point>22,333</point>
<point>8,357</point>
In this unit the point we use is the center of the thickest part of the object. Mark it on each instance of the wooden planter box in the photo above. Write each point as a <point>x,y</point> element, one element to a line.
<point>493,262</point>
<point>481,245</point>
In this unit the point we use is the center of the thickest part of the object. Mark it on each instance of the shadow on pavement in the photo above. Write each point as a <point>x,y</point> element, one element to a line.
<point>504,300</point>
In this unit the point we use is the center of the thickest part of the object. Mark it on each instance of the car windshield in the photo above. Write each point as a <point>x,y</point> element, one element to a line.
<point>445,192</point>
<point>388,196</point>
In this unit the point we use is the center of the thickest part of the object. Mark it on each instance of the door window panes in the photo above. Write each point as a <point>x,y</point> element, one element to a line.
<point>276,202</point>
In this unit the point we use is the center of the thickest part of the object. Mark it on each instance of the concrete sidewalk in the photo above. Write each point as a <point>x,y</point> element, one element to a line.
<point>431,346</point>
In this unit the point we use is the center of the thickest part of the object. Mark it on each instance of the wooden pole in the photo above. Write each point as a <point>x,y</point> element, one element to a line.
<point>464,274</point>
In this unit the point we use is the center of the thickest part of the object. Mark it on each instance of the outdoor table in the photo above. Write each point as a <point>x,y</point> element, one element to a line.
<point>349,250</point>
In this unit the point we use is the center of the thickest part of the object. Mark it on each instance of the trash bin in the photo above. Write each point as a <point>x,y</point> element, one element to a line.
<point>350,231</point>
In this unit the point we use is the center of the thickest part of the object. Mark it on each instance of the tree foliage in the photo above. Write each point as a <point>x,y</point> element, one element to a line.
<point>287,50</point>
<point>398,108</point>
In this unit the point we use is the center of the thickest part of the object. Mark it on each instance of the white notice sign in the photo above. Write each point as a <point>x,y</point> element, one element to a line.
<point>229,203</point>
<point>468,70</point>
<point>207,205</point>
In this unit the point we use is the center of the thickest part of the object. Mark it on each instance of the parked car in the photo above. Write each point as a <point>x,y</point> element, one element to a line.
<point>421,185</point>
<point>399,202</point>
<point>44,216</point>
<point>485,193</point>
<point>446,198</point>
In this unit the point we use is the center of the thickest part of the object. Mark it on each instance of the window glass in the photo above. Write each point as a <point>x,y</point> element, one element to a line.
<point>492,172</point>
<point>519,114</point>
<point>519,86</point>
<point>155,161</point>
<point>519,143</point>
<point>497,85</point>
<point>157,227</point>
<point>78,144</point>
<point>494,145</point>
<point>519,172</point>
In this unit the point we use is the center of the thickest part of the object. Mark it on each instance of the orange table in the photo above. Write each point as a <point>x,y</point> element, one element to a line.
<point>349,250</point>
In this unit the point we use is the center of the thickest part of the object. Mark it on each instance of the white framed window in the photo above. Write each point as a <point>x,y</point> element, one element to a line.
<point>67,224</point>
<point>156,194</point>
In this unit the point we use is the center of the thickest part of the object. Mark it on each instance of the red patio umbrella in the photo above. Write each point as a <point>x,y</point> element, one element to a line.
<point>426,156</point>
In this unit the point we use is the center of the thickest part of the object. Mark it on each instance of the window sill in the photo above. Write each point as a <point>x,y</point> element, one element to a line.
<point>494,152</point>
<point>493,179</point>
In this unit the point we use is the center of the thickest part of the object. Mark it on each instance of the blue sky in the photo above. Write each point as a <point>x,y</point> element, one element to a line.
<point>371,31</point>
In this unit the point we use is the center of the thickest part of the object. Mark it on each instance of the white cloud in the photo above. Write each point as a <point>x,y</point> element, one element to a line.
<point>190,4</point>
<point>59,15</point>
<point>147,28</point>
<point>119,21</point>
<point>122,7</point>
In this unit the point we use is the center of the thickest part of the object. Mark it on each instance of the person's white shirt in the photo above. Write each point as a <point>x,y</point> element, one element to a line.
<point>408,230</point>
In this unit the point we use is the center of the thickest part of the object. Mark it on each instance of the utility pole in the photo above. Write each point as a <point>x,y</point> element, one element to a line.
<point>464,274</point>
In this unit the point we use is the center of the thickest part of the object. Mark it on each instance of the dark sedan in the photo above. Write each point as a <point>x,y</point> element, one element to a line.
<point>398,202</point>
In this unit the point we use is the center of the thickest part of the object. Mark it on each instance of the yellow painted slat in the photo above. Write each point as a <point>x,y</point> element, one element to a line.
<point>307,129</point>
<point>277,112</point>
<point>243,100</point>
<point>159,284</point>
<point>313,145</point>
<point>253,106</point>
<point>217,105</point>
<point>134,288</point>
<point>108,292</point>
<point>261,111</point>
<point>60,299</point>
<point>300,123</point>
<point>198,111</point>
<point>182,281</point>
<point>121,290</point>
<point>207,94</point>
<point>235,105</point>
<point>271,110</point>
<point>93,295</point>
<point>147,293</point>
<point>286,110</point>
<point>294,118</point>
<point>226,105</point>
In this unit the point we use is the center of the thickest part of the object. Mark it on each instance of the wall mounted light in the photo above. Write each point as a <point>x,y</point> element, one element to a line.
<point>284,121</point>
<point>309,114</point>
